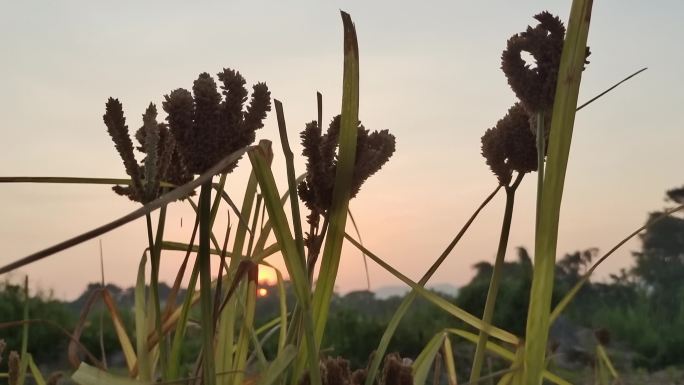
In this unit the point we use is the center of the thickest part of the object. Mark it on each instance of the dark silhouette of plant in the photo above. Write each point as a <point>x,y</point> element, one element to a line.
<point>373,150</point>
<point>510,145</point>
<point>162,161</point>
<point>206,128</point>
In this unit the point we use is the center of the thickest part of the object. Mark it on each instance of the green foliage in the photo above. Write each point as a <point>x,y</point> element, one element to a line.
<point>45,342</point>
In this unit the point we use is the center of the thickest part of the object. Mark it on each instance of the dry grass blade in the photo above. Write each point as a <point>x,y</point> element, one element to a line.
<point>175,194</point>
<point>124,341</point>
<point>73,348</point>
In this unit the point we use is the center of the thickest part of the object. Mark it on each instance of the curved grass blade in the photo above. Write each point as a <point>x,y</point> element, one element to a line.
<point>292,184</point>
<point>144,365</point>
<point>35,372</point>
<point>421,366</point>
<point>175,194</point>
<point>611,88</point>
<point>293,261</point>
<point>365,259</point>
<point>281,363</point>
<point>439,301</point>
<point>88,375</point>
<point>585,278</point>
<point>411,296</point>
<point>59,327</point>
<point>450,362</point>
<point>120,330</point>
<point>503,353</point>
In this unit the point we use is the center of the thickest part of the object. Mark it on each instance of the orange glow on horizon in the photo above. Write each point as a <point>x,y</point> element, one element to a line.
<point>267,276</point>
<point>262,292</point>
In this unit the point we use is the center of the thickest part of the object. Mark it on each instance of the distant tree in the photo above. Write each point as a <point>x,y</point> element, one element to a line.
<point>660,263</point>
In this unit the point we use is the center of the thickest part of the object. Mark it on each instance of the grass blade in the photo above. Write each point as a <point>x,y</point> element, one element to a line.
<point>23,365</point>
<point>278,366</point>
<point>292,184</point>
<point>293,261</point>
<point>35,372</point>
<point>175,194</point>
<point>421,366</point>
<point>343,179</point>
<point>88,375</point>
<point>120,330</point>
<point>410,297</point>
<point>585,278</point>
<point>546,237</point>
<point>450,362</point>
<point>439,301</point>
<point>144,364</point>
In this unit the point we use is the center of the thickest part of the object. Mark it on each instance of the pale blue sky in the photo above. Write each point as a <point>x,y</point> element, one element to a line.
<point>429,73</point>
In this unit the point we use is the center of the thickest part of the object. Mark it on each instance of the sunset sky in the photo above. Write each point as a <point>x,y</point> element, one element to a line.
<point>429,73</point>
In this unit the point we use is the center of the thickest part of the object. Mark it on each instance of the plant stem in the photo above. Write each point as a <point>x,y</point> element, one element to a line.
<point>204,256</point>
<point>541,154</point>
<point>155,252</point>
<point>490,303</point>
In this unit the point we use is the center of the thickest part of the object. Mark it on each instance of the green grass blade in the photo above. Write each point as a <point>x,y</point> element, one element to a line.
<point>35,372</point>
<point>421,366</point>
<point>242,346</point>
<point>585,278</point>
<point>63,180</point>
<point>279,365</point>
<point>450,362</point>
<point>611,88</point>
<point>332,250</point>
<point>120,330</point>
<point>88,375</point>
<point>292,184</point>
<point>493,291</point>
<point>144,365</point>
<point>23,364</point>
<point>439,301</point>
<point>175,194</point>
<point>293,261</point>
<point>226,325</point>
<point>546,237</point>
<point>206,303</point>
<point>411,296</point>
<point>603,356</point>
<point>177,344</point>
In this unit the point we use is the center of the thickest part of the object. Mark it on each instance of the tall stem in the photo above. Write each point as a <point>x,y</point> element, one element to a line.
<point>207,319</point>
<point>155,252</point>
<point>490,303</point>
<point>541,153</point>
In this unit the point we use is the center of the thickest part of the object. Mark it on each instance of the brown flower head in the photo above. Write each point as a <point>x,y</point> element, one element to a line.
<point>396,371</point>
<point>158,146</point>
<point>207,128</point>
<point>373,150</point>
<point>535,87</point>
<point>13,363</point>
<point>510,145</point>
